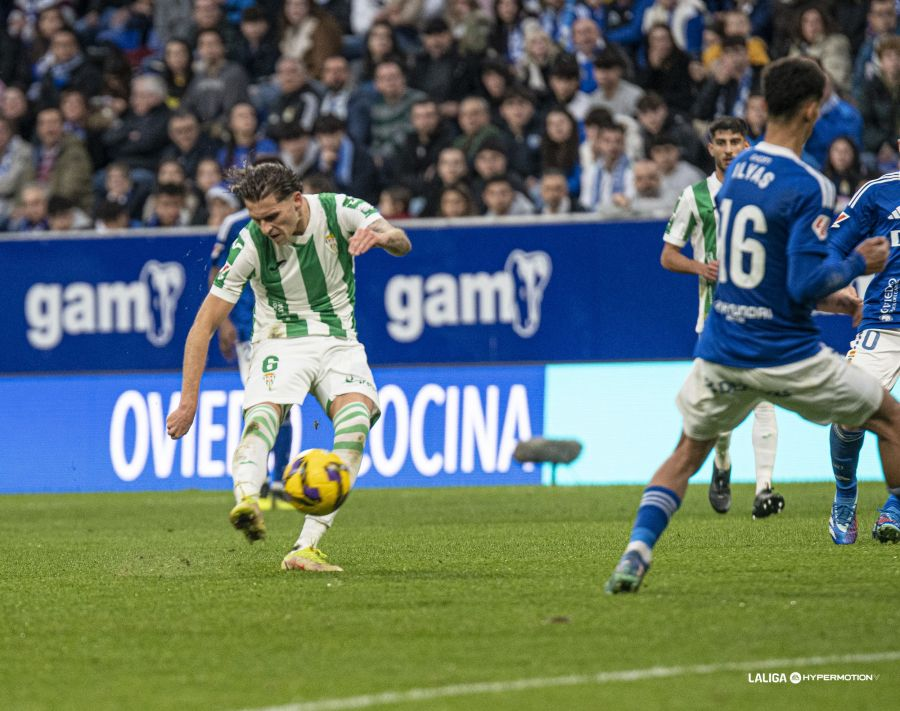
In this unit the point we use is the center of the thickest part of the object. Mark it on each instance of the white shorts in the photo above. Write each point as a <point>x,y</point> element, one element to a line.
<point>823,389</point>
<point>877,351</point>
<point>284,370</point>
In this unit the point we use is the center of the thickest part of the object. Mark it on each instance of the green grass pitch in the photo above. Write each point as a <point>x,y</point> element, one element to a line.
<point>151,601</point>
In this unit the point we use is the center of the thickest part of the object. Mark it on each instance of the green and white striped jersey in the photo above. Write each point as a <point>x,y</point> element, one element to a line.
<point>302,289</point>
<point>694,220</point>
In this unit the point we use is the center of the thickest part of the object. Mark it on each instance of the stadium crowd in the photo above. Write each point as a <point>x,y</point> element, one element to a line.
<point>127,113</point>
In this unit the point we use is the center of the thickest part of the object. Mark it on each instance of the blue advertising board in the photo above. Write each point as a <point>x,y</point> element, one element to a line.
<point>440,427</point>
<point>540,292</point>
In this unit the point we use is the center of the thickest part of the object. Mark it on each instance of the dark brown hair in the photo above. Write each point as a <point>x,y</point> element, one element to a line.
<point>256,182</point>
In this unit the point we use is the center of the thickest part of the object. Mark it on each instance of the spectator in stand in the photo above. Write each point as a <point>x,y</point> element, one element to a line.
<point>452,169</point>
<point>456,201</point>
<point>64,215</point>
<point>296,148</point>
<point>207,16</point>
<point>475,124</point>
<point>844,169</point>
<point>733,80</point>
<point>587,44</point>
<point>606,175</point>
<point>218,84</point>
<point>600,117</point>
<point>817,36</point>
<point>501,199</point>
<point>494,81</point>
<point>559,147</point>
<point>256,50</point>
<point>170,172</point>
<point>469,25</point>
<point>297,100</point>
<point>623,23</point>
<point>675,174</point>
<point>881,22</point>
<point>118,187</point>
<point>684,17</point>
<point>50,19</point>
<point>756,116</point>
<point>220,203</point>
<point>666,71</point>
<point>16,108</point>
<point>64,67</point>
<point>244,143</point>
<point>129,28</point>
<point>16,168</point>
<point>533,68</point>
<point>169,207</point>
<point>649,200</point>
<point>188,144</point>
<point>390,114</point>
<point>522,133</point>
<point>613,92</point>
<point>380,46</point>
<point>655,119</point>
<point>490,161</point>
<point>175,69</point>
<point>417,160</point>
<point>393,203</point>
<point>336,87</point>
<point>440,71</point>
<point>308,35</point>
<point>61,163</point>
<point>564,92</point>
<point>836,118</point>
<point>31,215</point>
<point>347,164</point>
<point>170,18</point>
<point>209,174</point>
<point>112,217</point>
<point>556,18</point>
<point>737,24</point>
<point>140,136</point>
<point>78,122</point>
<point>507,40</point>
<point>318,183</point>
<point>880,102</point>
<point>555,194</point>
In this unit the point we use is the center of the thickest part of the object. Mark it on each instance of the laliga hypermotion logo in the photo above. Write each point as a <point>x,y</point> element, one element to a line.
<point>530,272</point>
<point>80,308</point>
<point>164,282</point>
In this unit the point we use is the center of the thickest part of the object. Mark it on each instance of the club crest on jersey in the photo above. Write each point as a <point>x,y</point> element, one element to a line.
<point>820,226</point>
<point>331,242</point>
<point>839,219</point>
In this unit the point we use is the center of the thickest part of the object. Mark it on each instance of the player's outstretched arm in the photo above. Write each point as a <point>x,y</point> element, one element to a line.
<point>380,233</point>
<point>846,301</point>
<point>812,278</point>
<point>212,313</point>
<point>673,260</point>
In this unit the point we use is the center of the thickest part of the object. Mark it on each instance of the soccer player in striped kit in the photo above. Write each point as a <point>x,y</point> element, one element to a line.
<point>695,220</point>
<point>297,253</point>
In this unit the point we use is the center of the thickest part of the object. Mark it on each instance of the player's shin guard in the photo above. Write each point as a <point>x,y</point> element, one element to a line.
<point>351,427</point>
<point>765,443</point>
<point>658,504</point>
<point>249,465</point>
<point>722,456</point>
<point>845,448</point>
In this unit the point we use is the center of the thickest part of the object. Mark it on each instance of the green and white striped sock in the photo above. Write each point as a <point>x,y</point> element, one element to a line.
<point>249,467</point>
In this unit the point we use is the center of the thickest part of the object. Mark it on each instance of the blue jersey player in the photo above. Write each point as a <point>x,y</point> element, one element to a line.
<point>760,341</point>
<point>873,210</point>
<point>236,332</point>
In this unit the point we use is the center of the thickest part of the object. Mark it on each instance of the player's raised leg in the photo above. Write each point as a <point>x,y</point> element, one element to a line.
<point>250,468</point>
<point>765,444</point>
<point>659,503</point>
<point>720,484</point>
<point>351,415</point>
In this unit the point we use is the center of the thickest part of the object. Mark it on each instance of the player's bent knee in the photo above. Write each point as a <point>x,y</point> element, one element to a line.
<point>885,422</point>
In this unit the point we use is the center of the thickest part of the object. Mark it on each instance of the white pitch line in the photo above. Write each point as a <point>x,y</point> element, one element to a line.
<point>498,687</point>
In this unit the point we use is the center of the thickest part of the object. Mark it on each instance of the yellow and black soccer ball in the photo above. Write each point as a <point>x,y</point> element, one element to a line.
<point>316,482</point>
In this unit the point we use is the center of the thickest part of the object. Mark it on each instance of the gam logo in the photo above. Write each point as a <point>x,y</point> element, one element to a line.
<point>513,297</point>
<point>81,308</point>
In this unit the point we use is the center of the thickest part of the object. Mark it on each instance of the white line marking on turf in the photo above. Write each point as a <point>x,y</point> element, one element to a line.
<point>498,687</point>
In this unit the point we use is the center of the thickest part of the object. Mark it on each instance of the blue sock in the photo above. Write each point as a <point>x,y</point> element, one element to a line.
<point>893,502</point>
<point>657,506</point>
<point>282,449</point>
<point>845,448</point>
